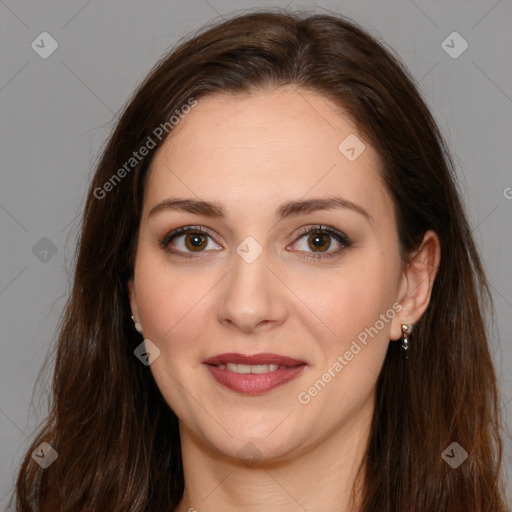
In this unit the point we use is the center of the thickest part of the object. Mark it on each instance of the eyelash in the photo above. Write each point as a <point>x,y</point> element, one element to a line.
<point>338,235</point>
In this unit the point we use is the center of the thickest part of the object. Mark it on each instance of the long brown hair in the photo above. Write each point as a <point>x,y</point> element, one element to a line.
<point>117,439</point>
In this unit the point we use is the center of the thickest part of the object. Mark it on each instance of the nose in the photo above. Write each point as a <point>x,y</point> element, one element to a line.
<point>253,298</point>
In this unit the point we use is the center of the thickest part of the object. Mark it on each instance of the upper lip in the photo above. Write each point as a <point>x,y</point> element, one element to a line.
<point>263,358</point>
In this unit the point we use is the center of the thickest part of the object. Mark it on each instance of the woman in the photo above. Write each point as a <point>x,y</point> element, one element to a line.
<point>276,285</point>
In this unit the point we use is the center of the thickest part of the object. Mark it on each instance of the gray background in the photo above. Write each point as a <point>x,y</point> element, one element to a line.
<point>57,112</point>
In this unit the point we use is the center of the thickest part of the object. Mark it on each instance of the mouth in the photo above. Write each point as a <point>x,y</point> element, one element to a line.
<point>255,374</point>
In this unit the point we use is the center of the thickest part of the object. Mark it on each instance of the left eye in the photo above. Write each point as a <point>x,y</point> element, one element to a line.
<point>318,240</point>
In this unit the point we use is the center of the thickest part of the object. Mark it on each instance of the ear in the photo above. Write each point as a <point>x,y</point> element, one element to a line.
<point>133,301</point>
<point>416,283</point>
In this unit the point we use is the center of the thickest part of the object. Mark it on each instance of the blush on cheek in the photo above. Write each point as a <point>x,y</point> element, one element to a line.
<point>174,319</point>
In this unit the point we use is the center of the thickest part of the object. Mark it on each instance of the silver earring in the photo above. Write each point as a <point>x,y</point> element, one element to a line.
<point>138,327</point>
<point>405,336</point>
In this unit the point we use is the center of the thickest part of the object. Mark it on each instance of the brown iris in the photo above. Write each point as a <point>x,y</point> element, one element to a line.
<point>195,241</point>
<point>319,241</point>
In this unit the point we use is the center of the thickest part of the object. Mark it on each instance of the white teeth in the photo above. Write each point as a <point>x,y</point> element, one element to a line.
<point>249,368</point>
<point>263,368</point>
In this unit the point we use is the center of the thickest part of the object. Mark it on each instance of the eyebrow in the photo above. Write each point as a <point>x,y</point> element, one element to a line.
<point>215,209</point>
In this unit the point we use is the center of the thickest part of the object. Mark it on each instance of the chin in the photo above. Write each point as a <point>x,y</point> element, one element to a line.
<point>249,438</point>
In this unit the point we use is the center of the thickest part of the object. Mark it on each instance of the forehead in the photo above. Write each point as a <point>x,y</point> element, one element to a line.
<point>272,145</point>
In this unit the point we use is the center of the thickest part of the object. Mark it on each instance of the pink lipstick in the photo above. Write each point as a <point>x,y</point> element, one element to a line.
<point>253,374</point>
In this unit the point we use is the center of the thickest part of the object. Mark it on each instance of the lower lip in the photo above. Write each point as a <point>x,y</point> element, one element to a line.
<point>254,383</point>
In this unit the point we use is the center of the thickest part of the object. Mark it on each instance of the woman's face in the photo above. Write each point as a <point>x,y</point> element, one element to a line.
<point>255,283</point>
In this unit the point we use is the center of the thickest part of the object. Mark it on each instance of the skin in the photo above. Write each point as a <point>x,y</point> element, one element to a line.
<point>252,153</point>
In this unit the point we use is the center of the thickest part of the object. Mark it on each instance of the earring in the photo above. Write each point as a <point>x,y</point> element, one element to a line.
<point>405,339</point>
<point>138,327</point>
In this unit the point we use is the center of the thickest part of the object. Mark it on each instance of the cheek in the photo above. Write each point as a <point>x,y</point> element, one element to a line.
<point>358,308</point>
<point>168,299</point>
<point>344,302</point>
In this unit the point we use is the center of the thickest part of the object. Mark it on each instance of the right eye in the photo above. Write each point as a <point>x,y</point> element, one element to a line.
<point>193,240</point>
